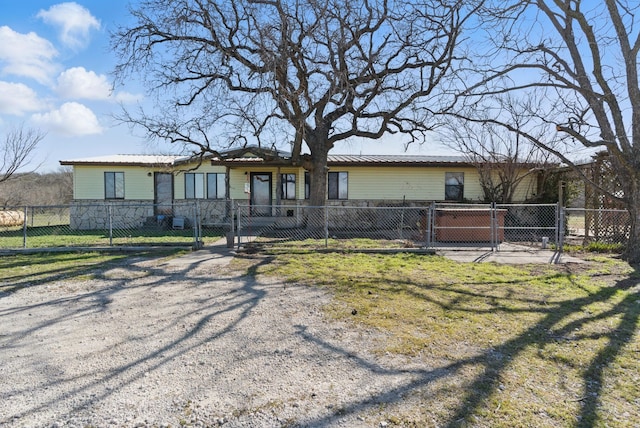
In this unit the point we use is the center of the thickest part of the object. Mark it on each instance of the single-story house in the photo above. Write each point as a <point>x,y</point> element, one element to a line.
<point>265,179</point>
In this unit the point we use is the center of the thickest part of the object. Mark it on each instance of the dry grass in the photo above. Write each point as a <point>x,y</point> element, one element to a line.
<point>519,346</point>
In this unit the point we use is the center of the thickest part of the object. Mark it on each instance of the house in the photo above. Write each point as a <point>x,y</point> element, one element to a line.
<point>144,187</point>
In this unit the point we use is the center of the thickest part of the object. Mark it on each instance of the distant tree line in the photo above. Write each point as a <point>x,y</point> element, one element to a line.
<point>35,189</point>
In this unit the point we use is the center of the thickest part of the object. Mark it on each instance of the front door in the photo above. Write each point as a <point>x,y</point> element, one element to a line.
<point>163,193</point>
<point>261,193</point>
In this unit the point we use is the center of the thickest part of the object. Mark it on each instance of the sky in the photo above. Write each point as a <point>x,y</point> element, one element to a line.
<point>55,76</point>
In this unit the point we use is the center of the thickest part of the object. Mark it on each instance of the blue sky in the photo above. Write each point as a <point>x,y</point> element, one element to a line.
<point>55,75</point>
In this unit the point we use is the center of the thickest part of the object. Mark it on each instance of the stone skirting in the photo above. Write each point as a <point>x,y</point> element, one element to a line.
<point>100,215</point>
<point>135,214</point>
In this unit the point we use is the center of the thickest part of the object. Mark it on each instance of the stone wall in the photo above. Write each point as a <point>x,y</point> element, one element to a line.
<point>90,215</point>
<point>94,215</point>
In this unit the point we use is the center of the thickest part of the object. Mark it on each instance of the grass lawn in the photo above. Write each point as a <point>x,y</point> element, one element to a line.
<point>23,270</point>
<point>62,236</point>
<point>504,346</point>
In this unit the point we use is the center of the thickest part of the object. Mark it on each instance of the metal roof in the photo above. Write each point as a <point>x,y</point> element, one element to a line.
<point>394,160</point>
<point>128,160</point>
<point>343,160</point>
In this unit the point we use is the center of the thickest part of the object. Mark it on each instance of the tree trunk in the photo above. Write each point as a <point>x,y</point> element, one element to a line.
<point>316,164</point>
<point>632,251</point>
<point>628,178</point>
<point>318,177</point>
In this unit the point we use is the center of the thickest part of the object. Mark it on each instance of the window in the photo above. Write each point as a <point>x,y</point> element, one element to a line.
<point>307,185</point>
<point>114,185</point>
<point>338,185</point>
<point>194,185</point>
<point>288,183</point>
<point>454,186</point>
<point>216,186</point>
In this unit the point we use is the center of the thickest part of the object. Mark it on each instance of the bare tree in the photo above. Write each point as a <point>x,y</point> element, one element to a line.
<point>36,189</point>
<point>17,150</point>
<point>301,72</point>
<point>579,62</point>
<point>505,161</point>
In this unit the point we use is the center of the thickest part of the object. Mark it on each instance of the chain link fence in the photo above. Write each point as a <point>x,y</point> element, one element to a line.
<point>331,226</point>
<point>597,226</point>
<point>460,226</point>
<point>510,227</point>
<point>110,224</point>
<point>529,226</point>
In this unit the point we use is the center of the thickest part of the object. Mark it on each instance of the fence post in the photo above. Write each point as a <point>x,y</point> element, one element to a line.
<point>326,225</point>
<point>424,215</point>
<point>24,227</point>
<point>233,222</point>
<point>561,229</point>
<point>495,227</point>
<point>110,225</point>
<point>239,218</point>
<point>194,222</point>
<point>430,225</point>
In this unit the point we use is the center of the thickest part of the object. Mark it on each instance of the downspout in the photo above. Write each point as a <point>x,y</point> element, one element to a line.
<point>278,191</point>
<point>227,191</point>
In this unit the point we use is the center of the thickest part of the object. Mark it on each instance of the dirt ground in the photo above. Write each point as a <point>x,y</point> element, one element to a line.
<point>190,341</point>
<point>187,343</point>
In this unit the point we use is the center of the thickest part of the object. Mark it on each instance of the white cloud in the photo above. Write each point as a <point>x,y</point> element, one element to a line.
<point>127,97</point>
<point>74,22</point>
<point>27,55</point>
<point>17,99</point>
<point>79,83</point>
<point>71,119</point>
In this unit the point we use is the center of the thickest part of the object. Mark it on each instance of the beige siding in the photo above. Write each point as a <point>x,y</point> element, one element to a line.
<point>365,183</point>
<point>178,177</point>
<point>526,189</point>
<point>410,183</point>
<point>472,188</point>
<point>138,180</point>
<point>89,182</point>
<point>238,177</point>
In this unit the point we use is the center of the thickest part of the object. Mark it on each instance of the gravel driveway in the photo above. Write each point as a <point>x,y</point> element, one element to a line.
<point>187,342</point>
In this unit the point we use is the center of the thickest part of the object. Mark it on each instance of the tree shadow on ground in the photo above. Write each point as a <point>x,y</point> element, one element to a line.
<point>226,307</point>
<point>59,268</point>
<point>220,310</point>
<point>551,328</point>
<point>558,322</point>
